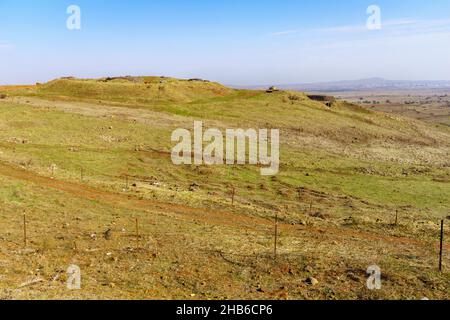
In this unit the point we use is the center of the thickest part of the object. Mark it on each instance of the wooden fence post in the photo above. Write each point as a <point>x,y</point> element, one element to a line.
<point>25,229</point>
<point>233,193</point>
<point>441,246</point>
<point>276,237</point>
<point>137,232</point>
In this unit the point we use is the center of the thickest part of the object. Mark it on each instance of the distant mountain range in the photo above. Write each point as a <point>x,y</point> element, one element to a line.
<point>364,84</point>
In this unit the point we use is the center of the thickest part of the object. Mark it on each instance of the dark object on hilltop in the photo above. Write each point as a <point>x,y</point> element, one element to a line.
<point>197,80</point>
<point>126,78</point>
<point>272,89</point>
<point>328,100</point>
<point>3,96</point>
<point>321,98</point>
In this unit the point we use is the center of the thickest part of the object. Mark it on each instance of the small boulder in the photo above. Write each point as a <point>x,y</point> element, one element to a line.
<point>312,281</point>
<point>193,187</point>
<point>108,234</point>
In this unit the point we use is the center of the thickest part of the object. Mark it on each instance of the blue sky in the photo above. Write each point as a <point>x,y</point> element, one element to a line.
<point>238,42</point>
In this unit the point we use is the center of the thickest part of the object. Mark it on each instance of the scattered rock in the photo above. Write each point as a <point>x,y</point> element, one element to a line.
<point>283,192</point>
<point>108,234</point>
<point>56,276</point>
<point>17,140</point>
<point>350,221</point>
<point>26,251</point>
<point>308,269</point>
<point>312,281</point>
<point>353,276</point>
<point>319,215</point>
<point>31,282</point>
<point>193,187</point>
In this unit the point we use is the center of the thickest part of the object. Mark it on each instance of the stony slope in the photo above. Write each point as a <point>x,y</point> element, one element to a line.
<point>84,156</point>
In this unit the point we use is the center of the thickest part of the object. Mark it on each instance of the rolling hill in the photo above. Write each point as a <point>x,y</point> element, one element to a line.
<point>88,162</point>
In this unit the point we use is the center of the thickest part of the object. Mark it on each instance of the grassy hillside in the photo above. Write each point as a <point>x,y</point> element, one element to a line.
<point>134,89</point>
<point>80,157</point>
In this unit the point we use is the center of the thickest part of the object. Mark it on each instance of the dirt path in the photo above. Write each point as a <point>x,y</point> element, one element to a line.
<point>199,214</point>
<point>128,201</point>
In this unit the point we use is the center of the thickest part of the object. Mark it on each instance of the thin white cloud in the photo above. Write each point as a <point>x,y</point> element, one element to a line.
<point>400,22</point>
<point>283,33</point>
<point>406,24</point>
<point>341,29</point>
<point>6,46</point>
<point>392,26</point>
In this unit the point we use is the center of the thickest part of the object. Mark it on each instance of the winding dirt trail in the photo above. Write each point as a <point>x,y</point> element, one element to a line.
<point>201,214</point>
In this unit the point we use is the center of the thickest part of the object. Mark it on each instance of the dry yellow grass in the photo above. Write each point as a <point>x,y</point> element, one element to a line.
<point>354,166</point>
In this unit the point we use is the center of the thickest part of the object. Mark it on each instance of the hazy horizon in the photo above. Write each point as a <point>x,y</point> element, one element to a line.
<point>233,84</point>
<point>252,43</point>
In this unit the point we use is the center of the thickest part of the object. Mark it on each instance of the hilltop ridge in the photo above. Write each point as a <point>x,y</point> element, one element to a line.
<point>138,89</point>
